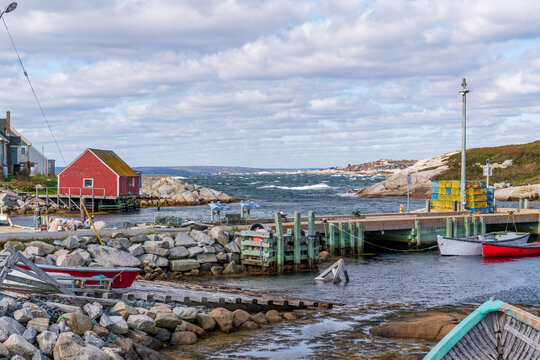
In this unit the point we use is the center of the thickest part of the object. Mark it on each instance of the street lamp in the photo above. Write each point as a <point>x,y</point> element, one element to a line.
<point>9,8</point>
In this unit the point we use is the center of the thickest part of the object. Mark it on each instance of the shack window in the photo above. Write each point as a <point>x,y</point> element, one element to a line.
<point>88,183</point>
<point>23,151</point>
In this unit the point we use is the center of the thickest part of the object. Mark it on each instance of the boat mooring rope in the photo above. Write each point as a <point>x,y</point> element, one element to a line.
<point>513,221</point>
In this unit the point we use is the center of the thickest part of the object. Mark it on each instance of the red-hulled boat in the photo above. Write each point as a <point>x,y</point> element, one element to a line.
<point>122,277</point>
<point>494,250</point>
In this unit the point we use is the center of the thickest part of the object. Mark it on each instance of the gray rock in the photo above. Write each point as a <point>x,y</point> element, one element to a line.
<point>235,258</point>
<point>56,329</point>
<point>153,237</point>
<point>186,313</point>
<point>209,250</point>
<point>183,239</point>
<point>136,250</point>
<point>19,357</point>
<point>65,307</point>
<point>112,257</point>
<point>207,258</point>
<point>35,251</point>
<point>11,303</point>
<point>178,252</point>
<point>143,323</point>
<point>4,306</point>
<point>93,310</point>
<point>72,259</point>
<point>41,324</point>
<point>184,265</point>
<point>72,242</point>
<point>51,258</point>
<point>70,346</point>
<point>194,251</point>
<point>23,315</point>
<point>139,239</point>
<point>91,338</point>
<point>17,345</point>
<point>232,248</point>
<point>4,352</point>
<point>30,334</point>
<point>220,235</point>
<point>119,326</point>
<point>45,249</point>
<point>167,320</point>
<point>169,240</point>
<point>41,261</point>
<point>202,238</point>
<point>58,243</point>
<point>40,356</point>
<point>46,341</point>
<point>217,270</point>
<point>221,257</point>
<point>84,254</point>
<point>219,248</point>
<point>11,326</point>
<point>121,243</point>
<point>163,335</point>
<point>231,268</point>
<point>153,260</point>
<point>106,322</point>
<point>156,248</point>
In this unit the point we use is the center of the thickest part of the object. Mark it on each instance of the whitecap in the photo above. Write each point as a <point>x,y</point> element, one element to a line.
<point>178,177</point>
<point>299,188</point>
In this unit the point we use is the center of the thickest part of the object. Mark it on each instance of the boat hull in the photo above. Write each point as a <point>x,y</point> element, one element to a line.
<point>493,250</point>
<point>472,246</point>
<point>123,277</point>
<point>495,330</point>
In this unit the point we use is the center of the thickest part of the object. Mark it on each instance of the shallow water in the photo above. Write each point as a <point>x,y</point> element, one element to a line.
<point>382,287</point>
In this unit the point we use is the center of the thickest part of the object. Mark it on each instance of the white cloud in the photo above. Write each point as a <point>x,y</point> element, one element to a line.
<point>274,82</point>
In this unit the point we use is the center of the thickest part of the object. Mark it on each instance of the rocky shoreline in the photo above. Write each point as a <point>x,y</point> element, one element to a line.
<point>44,327</point>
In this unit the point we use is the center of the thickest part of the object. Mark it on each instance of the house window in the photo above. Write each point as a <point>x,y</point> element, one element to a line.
<point>23,151</point>
<point>133,182</point>
<point>88,183</point>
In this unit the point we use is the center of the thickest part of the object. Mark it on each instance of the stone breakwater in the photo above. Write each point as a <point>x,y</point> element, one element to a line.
<point>15,203</point>
<point>38,328</point>
<point>174,192</point>
<point>159,256</point>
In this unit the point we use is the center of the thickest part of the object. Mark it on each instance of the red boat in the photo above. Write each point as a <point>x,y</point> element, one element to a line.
<point>122,277</point>
<point>494,250</point>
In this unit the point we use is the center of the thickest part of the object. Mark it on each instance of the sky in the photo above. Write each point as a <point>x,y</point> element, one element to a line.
<point>271,83</point>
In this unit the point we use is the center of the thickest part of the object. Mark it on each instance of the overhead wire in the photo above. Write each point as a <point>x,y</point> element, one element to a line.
<point>33,91</point>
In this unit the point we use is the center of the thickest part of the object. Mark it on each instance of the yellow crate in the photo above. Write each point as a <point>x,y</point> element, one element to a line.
<point>442,190</point>
<point>455,197</point>
<point>455,184</point>
<point>442,184</point>
<point>455,190</point>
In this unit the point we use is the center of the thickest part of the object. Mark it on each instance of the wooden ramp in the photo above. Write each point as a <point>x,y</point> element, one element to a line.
<point>219,296</point>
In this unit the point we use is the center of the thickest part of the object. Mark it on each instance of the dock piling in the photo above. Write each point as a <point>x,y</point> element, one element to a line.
<point>418,228</point>
<point>280,242</point>
<point>482,225</point>
<point>454,227</point>
<point>311,239</point>
<point>352,237</point>
<point>341,239</point>
<point>466,226</point>
<point>297,235</point>
<point>332,238</point>
<point>448,227</point>
<point>360,239</point>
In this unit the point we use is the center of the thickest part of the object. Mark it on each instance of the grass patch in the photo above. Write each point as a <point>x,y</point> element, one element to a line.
<point>525,168</point>
<point>28,183</point>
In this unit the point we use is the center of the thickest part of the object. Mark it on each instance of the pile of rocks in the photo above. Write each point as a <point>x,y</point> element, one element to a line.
<point>175,192</point>
<point>41,329</point>
<point>159,256</point>
<point>12,202</point>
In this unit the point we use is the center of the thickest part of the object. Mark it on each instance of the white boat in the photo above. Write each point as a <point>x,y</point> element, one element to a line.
<point>472,245</point>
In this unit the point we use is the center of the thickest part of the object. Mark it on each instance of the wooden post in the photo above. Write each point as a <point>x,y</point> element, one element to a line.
<point>454,228</point>
<point>525,203</point>
<point>466,226</point>
<point>297,236</point>
<point>482,225</point>
<point>311,239</point>
<point>280,256</point>
<point>418,228</point>
<point>475,226</point>
<point>448,227</point>
<point>360,238</point>
<point>332,238</point>
<point>428,205</point>
<point>341,239</point>
<point>352,237</point>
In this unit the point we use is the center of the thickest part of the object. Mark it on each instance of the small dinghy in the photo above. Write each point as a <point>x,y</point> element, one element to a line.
<point>501,250</point>
<point>121,277</point>
<point>472,245</point>
<point>496,330</point>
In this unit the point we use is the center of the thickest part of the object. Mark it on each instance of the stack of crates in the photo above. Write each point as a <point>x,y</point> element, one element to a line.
<point>444,192</point>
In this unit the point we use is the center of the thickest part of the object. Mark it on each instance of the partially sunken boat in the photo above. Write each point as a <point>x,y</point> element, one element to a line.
<point>472,245</point>
<point>496,330</point>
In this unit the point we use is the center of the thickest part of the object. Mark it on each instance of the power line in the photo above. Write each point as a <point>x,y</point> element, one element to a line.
<point>34,92</point>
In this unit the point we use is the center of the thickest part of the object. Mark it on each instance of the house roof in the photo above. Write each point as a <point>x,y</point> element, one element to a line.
<point>28,143</point>
<point>114,162</point>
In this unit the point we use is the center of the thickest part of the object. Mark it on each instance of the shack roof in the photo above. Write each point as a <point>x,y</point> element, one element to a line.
<point>114,161</point>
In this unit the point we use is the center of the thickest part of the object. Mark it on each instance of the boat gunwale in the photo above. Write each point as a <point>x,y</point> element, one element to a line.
<point>460,330</point>
<point>83,268</point>
<point>488,242</point>
<point>533,245</point>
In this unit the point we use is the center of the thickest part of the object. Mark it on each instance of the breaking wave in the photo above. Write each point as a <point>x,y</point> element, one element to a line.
<point>299,188</point>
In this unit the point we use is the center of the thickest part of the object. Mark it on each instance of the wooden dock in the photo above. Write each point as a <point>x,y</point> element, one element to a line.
<point>350,234</point>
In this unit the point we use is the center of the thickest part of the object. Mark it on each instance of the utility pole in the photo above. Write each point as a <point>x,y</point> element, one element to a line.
<point>463,93</point>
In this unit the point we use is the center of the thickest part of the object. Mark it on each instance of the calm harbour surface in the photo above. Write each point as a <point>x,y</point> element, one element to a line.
<point>382,286</point>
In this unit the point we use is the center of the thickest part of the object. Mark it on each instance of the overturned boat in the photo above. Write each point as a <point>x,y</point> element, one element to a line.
<point>472,245</point>
<point>496,330</point>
